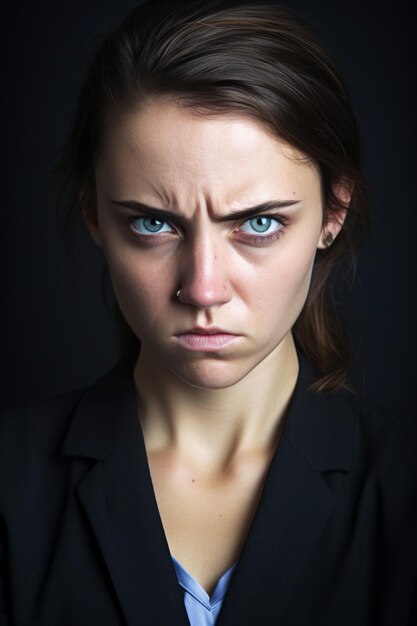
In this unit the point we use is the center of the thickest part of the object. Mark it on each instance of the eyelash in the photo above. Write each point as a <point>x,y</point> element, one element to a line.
<point>252,239</point>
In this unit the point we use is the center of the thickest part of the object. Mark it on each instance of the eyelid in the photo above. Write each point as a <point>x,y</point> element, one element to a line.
<point>276,216</point>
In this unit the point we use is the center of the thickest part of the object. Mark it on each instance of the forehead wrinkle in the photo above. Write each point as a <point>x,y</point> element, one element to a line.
<point>217,194</point>
<point>199,205</point>
<point>185,196</point>
<point>188,202</point>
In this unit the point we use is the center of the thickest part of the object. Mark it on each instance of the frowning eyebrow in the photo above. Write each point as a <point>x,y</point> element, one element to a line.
<point>171,216</point>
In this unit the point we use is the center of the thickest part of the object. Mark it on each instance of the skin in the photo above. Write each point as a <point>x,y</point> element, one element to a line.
<point>211,418</point>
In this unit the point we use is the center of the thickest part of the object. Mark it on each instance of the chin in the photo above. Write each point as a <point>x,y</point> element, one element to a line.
<point>212,375</point>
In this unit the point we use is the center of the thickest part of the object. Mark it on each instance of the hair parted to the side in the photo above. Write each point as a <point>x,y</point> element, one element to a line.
<point>219,56</point>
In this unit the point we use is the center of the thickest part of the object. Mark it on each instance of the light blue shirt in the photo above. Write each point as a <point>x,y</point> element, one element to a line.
<point>202,609</point>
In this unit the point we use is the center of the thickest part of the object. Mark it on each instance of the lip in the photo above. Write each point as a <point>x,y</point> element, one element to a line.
<point>206,339</point>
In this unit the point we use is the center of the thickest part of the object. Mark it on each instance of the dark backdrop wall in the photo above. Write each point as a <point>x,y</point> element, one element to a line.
<point>57,333</point>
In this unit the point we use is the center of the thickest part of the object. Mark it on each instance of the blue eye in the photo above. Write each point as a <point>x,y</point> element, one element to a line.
<point>261,225</point>
<point>150,226</point>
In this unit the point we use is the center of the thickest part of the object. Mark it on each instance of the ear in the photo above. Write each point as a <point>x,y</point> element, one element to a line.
<point>335,215</point>
<point>89,212</point>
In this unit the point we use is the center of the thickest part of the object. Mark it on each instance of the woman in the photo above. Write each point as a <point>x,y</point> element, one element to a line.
<point>222,473</point>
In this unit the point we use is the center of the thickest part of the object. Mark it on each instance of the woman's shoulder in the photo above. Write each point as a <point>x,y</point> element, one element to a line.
<point>31,431</point>
<point>376,423</point>
<point>28,431</point>
<point>383,453</point>
<point>380,423</point>
<point>352,413</point>
<point>385,446</point>
<point>54,409</point>
<point>347,430</point>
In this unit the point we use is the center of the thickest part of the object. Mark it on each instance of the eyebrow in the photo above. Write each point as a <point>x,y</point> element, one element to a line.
<point>234,215</point>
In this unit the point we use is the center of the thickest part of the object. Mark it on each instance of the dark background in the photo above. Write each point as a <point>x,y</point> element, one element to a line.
<point>57,333</point>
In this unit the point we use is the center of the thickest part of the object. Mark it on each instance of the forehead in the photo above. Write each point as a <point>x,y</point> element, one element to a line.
<point>172,152</point>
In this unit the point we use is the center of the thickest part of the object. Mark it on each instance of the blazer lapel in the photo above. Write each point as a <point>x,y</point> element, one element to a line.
<point>119,501</point>
<point>295,505</point>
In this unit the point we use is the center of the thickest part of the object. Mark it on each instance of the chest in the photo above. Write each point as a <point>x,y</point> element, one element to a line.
<point>206,518</point>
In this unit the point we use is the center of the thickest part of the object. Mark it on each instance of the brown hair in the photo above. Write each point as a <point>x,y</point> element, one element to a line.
<point>244,56</point>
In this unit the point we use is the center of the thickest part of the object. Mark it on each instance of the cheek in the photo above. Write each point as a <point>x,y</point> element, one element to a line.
<point>284,294</point>
<point>141,292</point>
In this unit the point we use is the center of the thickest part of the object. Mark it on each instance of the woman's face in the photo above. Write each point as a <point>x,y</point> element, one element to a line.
<point>221,209</point>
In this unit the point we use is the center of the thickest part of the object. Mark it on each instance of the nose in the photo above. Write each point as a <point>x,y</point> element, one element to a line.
<point>205,280</point>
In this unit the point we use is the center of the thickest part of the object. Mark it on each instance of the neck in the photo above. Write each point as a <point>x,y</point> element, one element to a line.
<point>216,425</point>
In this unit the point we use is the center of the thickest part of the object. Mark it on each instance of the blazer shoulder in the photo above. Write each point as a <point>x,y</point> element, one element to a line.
<point>32,436</point>
<point>29,432</point>
<point>380,421</point>
<point>47,408</point>
<point>388,440</point>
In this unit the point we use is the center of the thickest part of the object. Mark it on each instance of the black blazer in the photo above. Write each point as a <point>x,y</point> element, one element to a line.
<point>333,541</point>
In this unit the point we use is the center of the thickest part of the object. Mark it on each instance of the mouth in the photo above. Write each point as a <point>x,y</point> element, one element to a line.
<point>206,339</point>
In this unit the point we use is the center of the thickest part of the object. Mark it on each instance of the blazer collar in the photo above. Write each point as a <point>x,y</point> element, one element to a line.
<point>119,501</point>
<point>295,506</point>
<point>105,412</point>
<point>319,426</point>
<point>296,502</point>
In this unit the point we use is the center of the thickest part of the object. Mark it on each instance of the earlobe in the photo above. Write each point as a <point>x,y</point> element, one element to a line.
<point>336,215</point>
<point>331,228</point>
<point>89,213</point>
<point>326,239</point>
